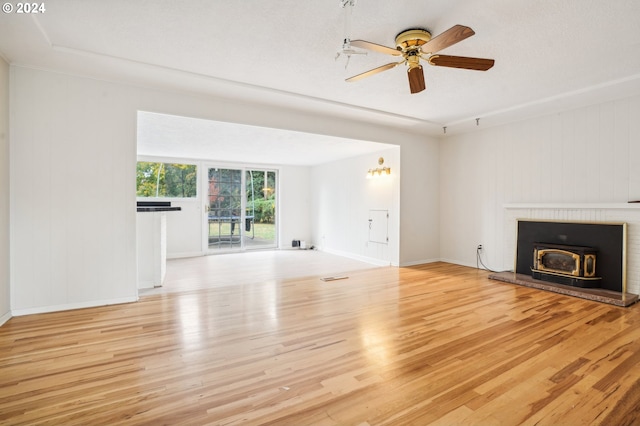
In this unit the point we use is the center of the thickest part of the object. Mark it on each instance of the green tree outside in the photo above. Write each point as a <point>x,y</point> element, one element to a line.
<point>166,180</point>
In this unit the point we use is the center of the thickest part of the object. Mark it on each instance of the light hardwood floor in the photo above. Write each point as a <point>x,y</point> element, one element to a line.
<point>242,341</point>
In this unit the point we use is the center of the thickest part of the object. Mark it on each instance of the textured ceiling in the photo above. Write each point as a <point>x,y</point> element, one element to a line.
<point>549,54</point>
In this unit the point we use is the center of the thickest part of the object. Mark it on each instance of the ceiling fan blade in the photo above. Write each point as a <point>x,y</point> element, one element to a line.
<point>373,71</point>
<point>450,37</point>
<point>478,64</point>
<point>416,79</point>
<point>375,47</point>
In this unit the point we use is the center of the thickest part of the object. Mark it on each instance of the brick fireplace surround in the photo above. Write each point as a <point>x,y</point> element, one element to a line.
<point>615,212</point>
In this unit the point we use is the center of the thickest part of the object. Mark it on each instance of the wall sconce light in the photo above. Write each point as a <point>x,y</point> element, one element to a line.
<point>379,171</point>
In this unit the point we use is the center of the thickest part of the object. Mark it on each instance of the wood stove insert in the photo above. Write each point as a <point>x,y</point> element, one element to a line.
<point>565,264</point>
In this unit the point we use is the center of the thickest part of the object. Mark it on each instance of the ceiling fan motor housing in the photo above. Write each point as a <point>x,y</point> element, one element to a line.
<point>412,39</point>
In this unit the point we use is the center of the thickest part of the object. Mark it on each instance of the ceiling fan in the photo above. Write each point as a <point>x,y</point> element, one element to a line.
<point>415,44</point>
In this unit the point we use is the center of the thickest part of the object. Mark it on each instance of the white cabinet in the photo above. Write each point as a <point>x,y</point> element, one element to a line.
<point>151,237</point>
<point>379,226</point>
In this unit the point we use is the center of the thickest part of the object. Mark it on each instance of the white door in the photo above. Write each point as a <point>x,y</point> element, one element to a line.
<point>379,226</point>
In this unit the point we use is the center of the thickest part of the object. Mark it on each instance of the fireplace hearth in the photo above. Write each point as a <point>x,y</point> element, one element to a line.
<point>608,238</point>
<point>565,264</point>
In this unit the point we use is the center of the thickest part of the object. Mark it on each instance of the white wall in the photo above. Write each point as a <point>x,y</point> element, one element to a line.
<point>419,197</point>
<point>294,208</point>
<point>417,194</point>
<point>589,155</point>
<point>72,190</point>
<point>341,199</point>
<point>5,307</point>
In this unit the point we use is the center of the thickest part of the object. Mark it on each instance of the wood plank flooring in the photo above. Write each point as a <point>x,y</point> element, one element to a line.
<point>430,344</point>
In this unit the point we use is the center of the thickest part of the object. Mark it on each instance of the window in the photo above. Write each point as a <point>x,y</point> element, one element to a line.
<point>169,180</point>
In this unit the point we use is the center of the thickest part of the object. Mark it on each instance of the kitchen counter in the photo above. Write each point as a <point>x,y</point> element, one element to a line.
<point>151,239</point>
<point>156,206</point>
<point>158,209</point>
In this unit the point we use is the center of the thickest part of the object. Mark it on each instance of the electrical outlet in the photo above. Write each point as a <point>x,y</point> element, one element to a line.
<point>479,247</point>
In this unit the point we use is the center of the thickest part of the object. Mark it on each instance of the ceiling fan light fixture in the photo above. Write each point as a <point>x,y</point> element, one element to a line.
<point>416,43</point>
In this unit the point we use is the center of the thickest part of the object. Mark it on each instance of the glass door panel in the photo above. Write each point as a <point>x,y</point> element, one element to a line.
<point>224,210</point>
<point>260,211</point>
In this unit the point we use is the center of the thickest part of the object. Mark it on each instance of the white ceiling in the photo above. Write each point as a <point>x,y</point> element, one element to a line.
<point>183,137</point>
<point>550,55</point>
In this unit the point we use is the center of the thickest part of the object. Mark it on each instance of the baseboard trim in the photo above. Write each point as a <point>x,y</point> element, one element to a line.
<point>6,317</point>
<point>184,255</point>
<point>457,262</point>
<point>71,306</point>
<point>419,262</point>
<point>143,285</point>
<point>365,259</point>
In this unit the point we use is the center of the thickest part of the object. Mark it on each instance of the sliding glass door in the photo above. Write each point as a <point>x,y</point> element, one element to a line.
<point>260,209</point>
<point>224,196</point>
<point>240,209</point>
